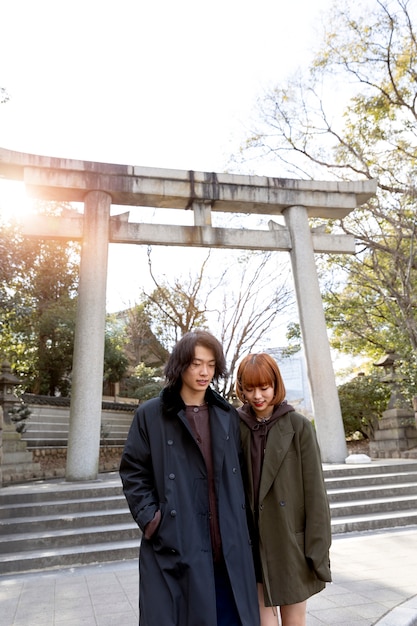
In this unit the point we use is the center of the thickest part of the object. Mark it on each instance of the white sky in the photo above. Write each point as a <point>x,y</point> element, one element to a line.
<point>161,83</point>
<point>158,83</point>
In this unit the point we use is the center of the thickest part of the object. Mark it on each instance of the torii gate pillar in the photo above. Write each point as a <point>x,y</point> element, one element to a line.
<point>87,372</point>
<point>330,432</point>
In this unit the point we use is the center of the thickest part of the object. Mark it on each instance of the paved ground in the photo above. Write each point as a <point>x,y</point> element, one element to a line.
<point>375,582</point>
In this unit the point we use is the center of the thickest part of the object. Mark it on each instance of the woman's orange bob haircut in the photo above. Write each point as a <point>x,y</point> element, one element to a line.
<point>259,370</point>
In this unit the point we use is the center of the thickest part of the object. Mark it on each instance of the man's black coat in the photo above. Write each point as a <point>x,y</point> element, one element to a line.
<point>162,468</point>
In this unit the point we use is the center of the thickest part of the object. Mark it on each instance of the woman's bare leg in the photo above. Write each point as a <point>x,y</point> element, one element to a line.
<point>269,614</point>
<point>294,614</point>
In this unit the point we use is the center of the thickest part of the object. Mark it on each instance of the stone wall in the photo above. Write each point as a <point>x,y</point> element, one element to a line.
<point>45,439</point>
<point>48,423</point>
<point>52,461</point>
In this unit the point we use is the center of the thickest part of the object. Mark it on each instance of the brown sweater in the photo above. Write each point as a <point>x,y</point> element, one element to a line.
<point>259,431</point>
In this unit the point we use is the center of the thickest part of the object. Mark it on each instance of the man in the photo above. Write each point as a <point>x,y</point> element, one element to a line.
<point>182,479</point>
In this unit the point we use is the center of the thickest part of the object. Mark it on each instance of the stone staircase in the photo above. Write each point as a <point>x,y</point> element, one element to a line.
<point>54,524</point>
<point>372,496</point>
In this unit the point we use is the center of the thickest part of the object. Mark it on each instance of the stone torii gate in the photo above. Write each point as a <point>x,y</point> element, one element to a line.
<point>99,185</point>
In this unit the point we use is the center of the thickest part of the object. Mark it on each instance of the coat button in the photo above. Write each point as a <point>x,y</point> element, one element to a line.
<point>170,442</point>
<point>171,476</point>
<point>173,513</point>
<point>282,503</point>
<point>234,470</point>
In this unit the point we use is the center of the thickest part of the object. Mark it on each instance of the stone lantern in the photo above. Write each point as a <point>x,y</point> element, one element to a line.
<point>389,362</point>
<point>16,462</point>
<point>397,432</point>
<point>8,398</point>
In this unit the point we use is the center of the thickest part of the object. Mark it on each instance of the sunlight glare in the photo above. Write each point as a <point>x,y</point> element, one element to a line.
<point>15,204</point>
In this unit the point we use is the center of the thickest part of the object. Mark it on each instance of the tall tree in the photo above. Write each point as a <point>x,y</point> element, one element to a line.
<point>38,288</point>
<point>178,307</point>
<point>116,362</point>
<point>353,115</point>
<point>251,309</point>
<point>141,345</point>
<point>239,306</point>
<point>133,355</point>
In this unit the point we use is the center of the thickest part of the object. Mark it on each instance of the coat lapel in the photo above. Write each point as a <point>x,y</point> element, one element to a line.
<point>279,440</point>
<point>246,447</point>
<point>219,425</point>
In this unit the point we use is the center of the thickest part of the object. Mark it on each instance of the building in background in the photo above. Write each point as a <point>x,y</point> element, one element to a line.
<point>294,372</point>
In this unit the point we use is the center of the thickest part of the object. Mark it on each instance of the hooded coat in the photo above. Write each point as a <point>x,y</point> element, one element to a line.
<point>162,467</point>
<point>292,516</point>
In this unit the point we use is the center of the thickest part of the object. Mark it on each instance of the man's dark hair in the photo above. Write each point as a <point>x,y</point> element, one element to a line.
<point>184,352</point>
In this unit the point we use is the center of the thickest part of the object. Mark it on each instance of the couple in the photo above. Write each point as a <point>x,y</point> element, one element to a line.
<point>213,553</point>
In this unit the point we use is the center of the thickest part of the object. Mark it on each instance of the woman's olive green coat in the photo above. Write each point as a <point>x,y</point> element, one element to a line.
<point>294,517</point>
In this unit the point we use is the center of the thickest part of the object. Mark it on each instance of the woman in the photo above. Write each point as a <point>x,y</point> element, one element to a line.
<point>285,487</point>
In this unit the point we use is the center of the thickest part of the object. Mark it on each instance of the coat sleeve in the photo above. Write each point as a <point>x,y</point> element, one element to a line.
<point>136,472</point>
<point>318,526</point>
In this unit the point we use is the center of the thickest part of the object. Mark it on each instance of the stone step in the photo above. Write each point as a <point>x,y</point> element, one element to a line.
<point>358,481</point>
<point>41,491</point>
<point>53,441</point>
<point>36,560</point>
<point>71,519</point>
<point>348,494</point>
<point>63,425</point>
<point>55,507</point>
<point>56,539</point>
<point>371,521</point>
<point>373,506</point>
<point>375,467</point>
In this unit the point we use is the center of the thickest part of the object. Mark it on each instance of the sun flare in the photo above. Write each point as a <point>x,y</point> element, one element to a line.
<point>15,204</point>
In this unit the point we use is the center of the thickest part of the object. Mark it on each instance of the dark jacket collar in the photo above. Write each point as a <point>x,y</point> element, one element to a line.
<point>172,401</point>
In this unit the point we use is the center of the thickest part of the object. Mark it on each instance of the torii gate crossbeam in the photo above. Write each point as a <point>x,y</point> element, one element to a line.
<point>99,185</point>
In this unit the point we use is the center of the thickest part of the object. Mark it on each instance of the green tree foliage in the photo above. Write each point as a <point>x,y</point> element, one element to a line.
<point>144,383</point>
<point>116,362</point>
<point>38,288</point>
<point>38,298</point>
<point>362,401</point>
<point>128,340</point>
<point>353,115</point>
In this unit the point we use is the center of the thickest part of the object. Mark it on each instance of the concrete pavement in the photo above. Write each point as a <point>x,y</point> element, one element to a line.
<point>374,582</point>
